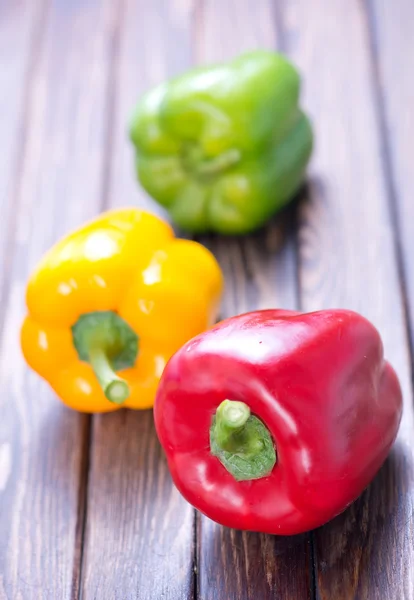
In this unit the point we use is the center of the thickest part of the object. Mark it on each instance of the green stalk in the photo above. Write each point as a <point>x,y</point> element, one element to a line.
<point>241,442</point>
<point>108,344</point>
<point>231,418</point>
<point>219,163</point>
<point>114,388</point>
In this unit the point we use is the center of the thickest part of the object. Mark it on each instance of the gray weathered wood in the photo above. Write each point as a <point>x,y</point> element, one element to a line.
<point>348,259</point>
<point>139,531</point>
<point>260,272</point>
<point>21,25</point>
<point>393,48</point>
<point>43,445</point>
<point>153,43</point>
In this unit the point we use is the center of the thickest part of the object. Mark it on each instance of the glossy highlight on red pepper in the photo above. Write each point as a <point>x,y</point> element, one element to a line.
<point>276,421</point>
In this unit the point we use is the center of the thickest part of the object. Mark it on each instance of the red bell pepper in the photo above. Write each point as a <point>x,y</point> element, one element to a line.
<point>276,421</point>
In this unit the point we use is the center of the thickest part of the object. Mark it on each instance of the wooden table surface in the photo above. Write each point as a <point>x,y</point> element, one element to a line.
<point>87,507</point>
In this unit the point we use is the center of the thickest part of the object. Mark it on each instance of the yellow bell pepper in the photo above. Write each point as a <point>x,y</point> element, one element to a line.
<point>110,303</point>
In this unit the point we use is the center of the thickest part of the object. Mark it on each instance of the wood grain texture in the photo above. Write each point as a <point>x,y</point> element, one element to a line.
<point>139,536</point>
<point>139,531</point>
<point>348,259</point>
<point>154,43</point>
<point>43,445</point>
<point>260,272</point>
<point>21,24</point>
<point>243,565</point>
<point>393,45</point>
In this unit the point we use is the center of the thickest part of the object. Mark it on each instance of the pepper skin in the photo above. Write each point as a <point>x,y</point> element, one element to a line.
<point>119,294</point>
<point>318,386</point>
<point>223,148</point>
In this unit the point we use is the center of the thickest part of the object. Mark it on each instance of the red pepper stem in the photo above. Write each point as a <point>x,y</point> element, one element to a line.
<point>241,442</point>
<point>114,388</point>
<point>232,432</point>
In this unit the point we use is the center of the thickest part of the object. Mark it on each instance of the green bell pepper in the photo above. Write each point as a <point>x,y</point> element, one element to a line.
<point>223,148</point>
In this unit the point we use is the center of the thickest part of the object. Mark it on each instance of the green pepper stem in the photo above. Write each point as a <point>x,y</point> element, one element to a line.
<point>114,388</point>
<point>219,163</point>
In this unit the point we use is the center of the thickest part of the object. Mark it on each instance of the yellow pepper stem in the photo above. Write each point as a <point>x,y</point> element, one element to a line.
<point>109,344</point>
<point>114,388</point>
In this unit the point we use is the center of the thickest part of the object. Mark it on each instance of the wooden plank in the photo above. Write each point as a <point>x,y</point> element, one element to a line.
<point>348,259</point>
<point>20,31</point>
<point>43,445</point>
<point>260,272</point>
<point>139,531</point>
<point>154,43</point>
<point>393,45</point>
